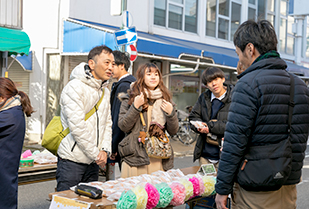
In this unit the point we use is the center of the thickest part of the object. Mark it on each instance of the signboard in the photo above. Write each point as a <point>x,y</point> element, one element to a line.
<point>66,203</point>
<point>133,52</point>
<point>126,36</point>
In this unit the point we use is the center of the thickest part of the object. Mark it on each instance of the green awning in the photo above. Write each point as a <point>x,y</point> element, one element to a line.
<point>14,41</point>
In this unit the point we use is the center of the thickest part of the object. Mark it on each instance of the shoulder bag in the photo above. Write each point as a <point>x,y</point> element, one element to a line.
<point>155,146</point>
<point>54,132</point>
<point>266,168</point>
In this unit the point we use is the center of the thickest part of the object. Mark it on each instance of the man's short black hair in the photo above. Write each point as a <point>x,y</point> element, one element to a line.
<point>98,50</point>
<point>211,73</point>
<point>122,58</point>
<point>261,34</point>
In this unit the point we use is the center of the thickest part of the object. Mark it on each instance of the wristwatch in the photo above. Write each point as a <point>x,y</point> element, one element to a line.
<point>107,152</point>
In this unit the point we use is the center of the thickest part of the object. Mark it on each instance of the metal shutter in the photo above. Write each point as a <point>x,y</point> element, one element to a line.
<point>20,77</point>
<point>74,61</point>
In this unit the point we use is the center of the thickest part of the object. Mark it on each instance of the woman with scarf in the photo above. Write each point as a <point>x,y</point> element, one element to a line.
<point>149,96</point>
<point>14,105</point>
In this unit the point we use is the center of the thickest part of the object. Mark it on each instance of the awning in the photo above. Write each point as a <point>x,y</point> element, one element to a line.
<point>297,69</point>
<point>81,38</point>
<point>14,41</point>
<point>173,47</point>
<point>25,61</point>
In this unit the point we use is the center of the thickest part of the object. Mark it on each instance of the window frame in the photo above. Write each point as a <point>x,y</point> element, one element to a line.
<point>228,18</point>
<point>183,24</point>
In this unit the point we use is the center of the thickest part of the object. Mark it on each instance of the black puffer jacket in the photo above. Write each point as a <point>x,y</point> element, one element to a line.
<point>259,116</point>
<point>202,112</point>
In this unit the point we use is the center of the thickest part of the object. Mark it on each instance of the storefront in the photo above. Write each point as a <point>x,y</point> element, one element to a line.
<point>181,62</point>
<point>12,42</point>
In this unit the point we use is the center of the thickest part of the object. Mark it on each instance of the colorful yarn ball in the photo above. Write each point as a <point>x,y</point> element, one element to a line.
<point>179,192</point>
<point>196,186</point>
<point>188,186</point>
<point>209,183</point>
<point>166,194</point>
<point>202,187</point>
<point>141,196</point>
<point>153,196</point>
<point>127,200</point>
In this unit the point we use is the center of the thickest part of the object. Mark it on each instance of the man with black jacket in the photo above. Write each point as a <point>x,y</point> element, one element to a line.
<point>211,109</point>
<point>258,117</point>
<point>124,79</point>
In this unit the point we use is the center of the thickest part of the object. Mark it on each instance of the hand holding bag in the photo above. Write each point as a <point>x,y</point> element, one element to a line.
<point>266,168</point>
<point>157,147</point>
<point>212,139</point>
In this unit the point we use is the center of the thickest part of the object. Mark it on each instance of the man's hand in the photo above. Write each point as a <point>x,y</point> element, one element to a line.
<point>204,130</point>
<point>113,156</point>
<point>240,68</point>
<point>167,107</point>
<point>221,201</point>
<point>101,158</point>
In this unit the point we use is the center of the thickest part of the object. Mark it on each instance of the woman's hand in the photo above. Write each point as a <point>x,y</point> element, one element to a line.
<point>167,107</point>
<point>139,100</point>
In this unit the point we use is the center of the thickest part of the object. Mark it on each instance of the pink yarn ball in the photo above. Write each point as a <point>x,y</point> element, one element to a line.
<point>202,187</point>
<point>153,196</point>
<point>179,192</point>
<point>196,186</point>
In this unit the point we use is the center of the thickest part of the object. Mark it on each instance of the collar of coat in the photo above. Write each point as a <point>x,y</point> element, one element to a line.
<point>265,64</point>
<point>227,97</point>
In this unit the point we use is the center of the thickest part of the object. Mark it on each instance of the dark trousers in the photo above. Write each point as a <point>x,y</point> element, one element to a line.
<point>70,173</point>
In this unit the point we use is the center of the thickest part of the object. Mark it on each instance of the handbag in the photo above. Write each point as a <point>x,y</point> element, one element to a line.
<point>54,132</point>
<point>266,168</point>
<point>212,139</point>
<point>156,147</point>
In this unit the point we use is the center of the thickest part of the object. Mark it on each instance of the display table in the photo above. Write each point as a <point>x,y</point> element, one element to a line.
<point>103,202</point>
<point>37,173</point>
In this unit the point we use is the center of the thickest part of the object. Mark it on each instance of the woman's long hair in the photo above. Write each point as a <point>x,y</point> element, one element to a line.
<point>8,90</point>
<point>140,86</point>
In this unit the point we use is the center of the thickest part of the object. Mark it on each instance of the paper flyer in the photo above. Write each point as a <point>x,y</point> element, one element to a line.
<point>65,203</point>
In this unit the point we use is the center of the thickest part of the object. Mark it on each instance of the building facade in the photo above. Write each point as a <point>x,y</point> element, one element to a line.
<point>182,37</point>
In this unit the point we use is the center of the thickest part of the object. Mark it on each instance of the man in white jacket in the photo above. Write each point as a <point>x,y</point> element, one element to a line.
<point>88,144</point>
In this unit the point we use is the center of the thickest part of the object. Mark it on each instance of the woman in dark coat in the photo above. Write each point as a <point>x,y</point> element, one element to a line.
<point>14,105</point>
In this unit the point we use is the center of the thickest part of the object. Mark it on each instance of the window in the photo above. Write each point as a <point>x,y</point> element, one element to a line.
<point>307,39</point>
<point>286,35</point>
<point>176,14</point>
<point>211,18</point>
<point>262,10</point>
<point>222,18</point>
<point>11,13</point>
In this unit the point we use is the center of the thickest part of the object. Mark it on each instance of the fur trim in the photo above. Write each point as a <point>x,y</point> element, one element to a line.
<point>122,95</point>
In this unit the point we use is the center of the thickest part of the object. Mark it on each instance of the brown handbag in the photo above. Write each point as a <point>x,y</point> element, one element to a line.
<point>212,139</point>
<point>155,146</point>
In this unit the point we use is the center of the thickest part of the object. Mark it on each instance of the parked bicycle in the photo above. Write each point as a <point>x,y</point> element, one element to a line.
<point>185,134</point>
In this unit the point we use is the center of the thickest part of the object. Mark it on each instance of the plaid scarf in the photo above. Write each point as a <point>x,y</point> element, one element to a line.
<point>267,55</point>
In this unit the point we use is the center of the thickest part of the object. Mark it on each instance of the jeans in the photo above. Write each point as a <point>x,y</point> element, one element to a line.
<point>70,173</point>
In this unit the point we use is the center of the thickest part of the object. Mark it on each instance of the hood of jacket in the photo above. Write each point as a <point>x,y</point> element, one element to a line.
<point>79,73</point>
